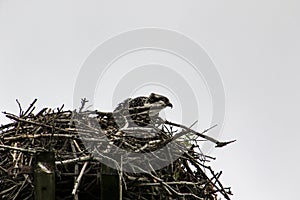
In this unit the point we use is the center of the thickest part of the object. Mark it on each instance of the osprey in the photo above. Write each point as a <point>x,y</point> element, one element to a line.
<point>140,111</point>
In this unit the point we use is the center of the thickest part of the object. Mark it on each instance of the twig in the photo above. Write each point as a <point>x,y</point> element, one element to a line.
<point>84,158</point>
<point>77,182</point>
<point>218,143</point>
<point>169,187</point>
<point>20,108</point>
<point>83,102</point>
<point>29,108</point>
<point>17,148</point>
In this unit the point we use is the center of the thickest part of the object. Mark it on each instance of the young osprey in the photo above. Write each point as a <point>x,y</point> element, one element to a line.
<point>140,111</point>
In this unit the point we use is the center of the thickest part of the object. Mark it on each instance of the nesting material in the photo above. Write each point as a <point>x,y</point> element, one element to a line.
<point>82,140</point>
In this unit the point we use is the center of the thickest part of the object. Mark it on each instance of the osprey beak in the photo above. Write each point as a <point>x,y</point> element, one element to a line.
<point>170,105</point>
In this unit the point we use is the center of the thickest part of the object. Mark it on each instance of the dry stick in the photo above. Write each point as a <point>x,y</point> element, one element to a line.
<point>6,126</point>
<point>220,184</point>
<point>7,190</point>
<point>171,183</point>
<point>19,190</point>
<point>41,112</point>
<point>120,172</point>
<point>83,102</point>
<point>16,165</point>
<point>196,164</point>
<point>195,122</point>
<point>68,130</point>
<point>60,109</point>
<point>14,155</point>
<point>28,109</point>
<point>20,107</point>
<point>38,136</point>
<point>76,168</point>
<point>168,186</point>
<point>218,143</point>
<point>16,148</point>
<point>188,130</point>
<point>32,122</point>
<point>77,182</point>
<point>83,158</point>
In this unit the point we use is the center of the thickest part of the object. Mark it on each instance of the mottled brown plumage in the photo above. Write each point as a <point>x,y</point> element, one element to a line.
<point>140,111</point>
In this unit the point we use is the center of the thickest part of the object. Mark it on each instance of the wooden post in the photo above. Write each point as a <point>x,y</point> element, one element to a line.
<point>44,176</point>
<point>110,183</point>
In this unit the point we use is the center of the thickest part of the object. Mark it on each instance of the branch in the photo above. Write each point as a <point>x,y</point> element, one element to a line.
<point>17,149</point>
<point>77,182</point>
<point>217,142</point>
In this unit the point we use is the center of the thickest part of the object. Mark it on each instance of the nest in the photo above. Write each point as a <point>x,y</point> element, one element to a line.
<point>81,140</point>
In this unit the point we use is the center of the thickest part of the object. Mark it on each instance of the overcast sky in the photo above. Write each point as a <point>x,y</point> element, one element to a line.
<point>254,45</point>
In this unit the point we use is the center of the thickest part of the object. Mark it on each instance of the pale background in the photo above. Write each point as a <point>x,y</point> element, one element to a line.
<point>254,44</point>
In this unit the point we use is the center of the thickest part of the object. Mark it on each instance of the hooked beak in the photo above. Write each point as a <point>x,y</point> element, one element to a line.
<point>170,105</point>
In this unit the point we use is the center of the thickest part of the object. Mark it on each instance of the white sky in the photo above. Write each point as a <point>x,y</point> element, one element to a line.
<point>254,44</point>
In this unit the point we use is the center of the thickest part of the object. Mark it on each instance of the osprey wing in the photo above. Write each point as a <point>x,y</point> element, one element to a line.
<point>138,102</point>
<point>123,105</point>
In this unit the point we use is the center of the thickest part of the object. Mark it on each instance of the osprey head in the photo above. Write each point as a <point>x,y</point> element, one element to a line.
<point>157,98</point>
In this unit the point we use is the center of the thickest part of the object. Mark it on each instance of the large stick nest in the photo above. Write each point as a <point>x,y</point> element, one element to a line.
<point>187,177</point>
